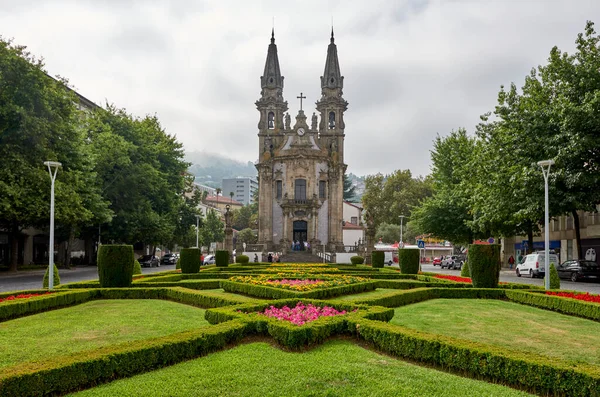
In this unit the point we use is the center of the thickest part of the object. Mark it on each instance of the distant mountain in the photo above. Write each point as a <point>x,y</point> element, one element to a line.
<point>210,168</point>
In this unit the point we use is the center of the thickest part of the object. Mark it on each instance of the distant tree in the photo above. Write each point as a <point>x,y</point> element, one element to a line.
<point>349,188</point>
<point>388,233</point>
<point>242,218</point>
<point>247,236</point>
<point>213,230</point>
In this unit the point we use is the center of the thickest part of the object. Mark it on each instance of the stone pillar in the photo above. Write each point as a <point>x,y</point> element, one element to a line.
<point>228,244</point>
<point>370,239</point>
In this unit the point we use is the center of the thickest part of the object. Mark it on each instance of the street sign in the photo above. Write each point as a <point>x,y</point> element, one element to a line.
<point>421,243</point>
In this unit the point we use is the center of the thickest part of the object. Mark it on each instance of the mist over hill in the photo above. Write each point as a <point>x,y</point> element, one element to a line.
<point>211,168</point>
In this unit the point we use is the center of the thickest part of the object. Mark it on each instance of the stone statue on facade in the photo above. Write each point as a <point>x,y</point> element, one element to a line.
<point>314,121</point>
<point>288,121</point>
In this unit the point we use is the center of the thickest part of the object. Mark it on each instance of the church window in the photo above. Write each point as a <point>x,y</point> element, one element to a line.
<point>271,120</point>
<point>322,185</point>
<point>331,120</point>
<point>300,189</point>
<point>279,189</point>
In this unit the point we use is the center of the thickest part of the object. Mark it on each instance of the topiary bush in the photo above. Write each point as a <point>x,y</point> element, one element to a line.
<point>222,258</point>
<point>408,259</point>
<point>115,265</point>
<point>357,260</point>
<point>137,268</point>
<point>47,277</point>
<point>484,264</point>
<point>465,271</point>
<point>190,260</point>
<point>178,264</point>
<point>243,259</point>
<point>377,259</point>
<point>554,279</point>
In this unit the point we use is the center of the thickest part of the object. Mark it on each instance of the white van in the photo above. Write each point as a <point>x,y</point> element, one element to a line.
<point>534,264</point>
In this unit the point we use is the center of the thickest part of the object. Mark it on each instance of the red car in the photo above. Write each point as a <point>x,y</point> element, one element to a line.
<point>437,261</point>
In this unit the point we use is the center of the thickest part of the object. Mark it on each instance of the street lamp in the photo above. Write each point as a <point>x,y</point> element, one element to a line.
<point>401,245</point>
<point>197,228</point>
<point>546,164</point>
<point>53,170</point>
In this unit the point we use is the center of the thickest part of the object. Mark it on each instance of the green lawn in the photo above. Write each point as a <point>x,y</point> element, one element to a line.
<point>366,295</point>
<point>92,325</point>
<point>506,324</point>
<point>221,293</point>
<point>337,368</point>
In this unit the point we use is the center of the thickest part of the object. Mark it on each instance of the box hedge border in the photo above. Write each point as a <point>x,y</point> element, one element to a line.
<point>262,291</point>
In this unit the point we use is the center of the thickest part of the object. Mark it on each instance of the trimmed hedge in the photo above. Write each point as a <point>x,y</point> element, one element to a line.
<point>484,263</point>
<point>222,258</point>
<point>573,307</point>
<point>137,268</point>
<point>37,304</point>
<point>408,258</point>
<point>190,260</point>
<point>243,259</point>
<point>465,270</point>
<point>357,260</point>
<point>115,265</point>
<point>543,375</point>
<point>55,277</point>
<point>60,375</point>
<point>263,291</point>
<point>377,259</point>
<point>554,279</point>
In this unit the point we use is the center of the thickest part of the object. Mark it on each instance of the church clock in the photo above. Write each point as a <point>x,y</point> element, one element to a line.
<point>300,131</point>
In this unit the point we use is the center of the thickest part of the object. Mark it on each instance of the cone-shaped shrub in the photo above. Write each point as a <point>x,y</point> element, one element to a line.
<point>377,258</point>
<point>408,258</point>
<point>465,271</point>
<point>115,265</point>
<point>178,265</point>
<point>222,258</point>
<point>357,260</point>
<point>554,279</point>
<point>484,263</point>
<point>190,260</point>
<point>243,259</point>
<point>56,277</point>
<point>137,268</point>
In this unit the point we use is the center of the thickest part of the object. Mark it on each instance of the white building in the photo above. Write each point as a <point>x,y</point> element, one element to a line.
<point>243,188</point>
<point>353,229</point>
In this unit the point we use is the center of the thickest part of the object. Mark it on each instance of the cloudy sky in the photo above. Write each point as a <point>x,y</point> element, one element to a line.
<point>413,69</point>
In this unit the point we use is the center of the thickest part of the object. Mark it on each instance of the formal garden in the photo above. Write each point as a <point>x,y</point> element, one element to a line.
<point>298,329</point>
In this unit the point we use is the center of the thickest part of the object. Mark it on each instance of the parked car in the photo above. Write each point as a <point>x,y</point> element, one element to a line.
<point>209,260</point>
<point>534,264</point>
<point>436,261</point>
<point>169,259</point>
<point>453,262</point>
<point>148,261</point>
<point>576,270</point>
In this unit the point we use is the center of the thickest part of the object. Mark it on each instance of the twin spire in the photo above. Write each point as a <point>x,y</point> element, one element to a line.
<point>331,78</point>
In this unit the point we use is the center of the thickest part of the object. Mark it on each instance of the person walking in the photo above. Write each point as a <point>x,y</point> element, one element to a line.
<point>511,261</point>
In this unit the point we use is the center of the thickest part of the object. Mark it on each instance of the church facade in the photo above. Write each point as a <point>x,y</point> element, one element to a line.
<point>301,166</point>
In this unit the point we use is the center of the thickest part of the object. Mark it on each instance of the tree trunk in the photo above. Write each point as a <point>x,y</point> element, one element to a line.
<point>577,233</point>
<point>89,251</point>
<point>14,247</point>
<point>69,247</point>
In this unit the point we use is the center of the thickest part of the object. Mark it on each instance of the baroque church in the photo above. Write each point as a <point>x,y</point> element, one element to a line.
<point>301,166</point>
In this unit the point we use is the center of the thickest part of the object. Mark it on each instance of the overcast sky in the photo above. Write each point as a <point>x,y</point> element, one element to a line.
<point>413,69</point>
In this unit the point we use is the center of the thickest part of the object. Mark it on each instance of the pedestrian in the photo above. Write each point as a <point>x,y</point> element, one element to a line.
<point>201,259</point>
<point>270,257</point>
<point>255,258</point>
<point>511,261</point>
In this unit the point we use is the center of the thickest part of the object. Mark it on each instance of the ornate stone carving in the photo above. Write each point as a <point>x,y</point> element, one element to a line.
<point>314,121</point>
<point>288,121</point>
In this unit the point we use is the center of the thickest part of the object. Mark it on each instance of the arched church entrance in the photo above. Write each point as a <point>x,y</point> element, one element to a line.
<point>300,233</point>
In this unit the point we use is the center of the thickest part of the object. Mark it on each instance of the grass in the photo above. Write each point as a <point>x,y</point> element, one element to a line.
<point>221,293</point>
<point>337,368</point>
<point>508,325</point>
<point>92,325</point>
<point>366,295</point>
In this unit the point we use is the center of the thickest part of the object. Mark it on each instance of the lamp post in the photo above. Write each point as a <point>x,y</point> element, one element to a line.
<point>546,164</point>
<point>197,228</point>
<point>53,170</point>
<point>401,245</point>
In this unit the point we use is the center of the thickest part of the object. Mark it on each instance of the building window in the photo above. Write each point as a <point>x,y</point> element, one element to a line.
<point>331,120</point>
<point>271,120</point>
<point>279,189</point>
<point>569,222</point>
<point>354,220</point>
<point>322,185</point>
<point>300,189</point>
<point>569,250</point>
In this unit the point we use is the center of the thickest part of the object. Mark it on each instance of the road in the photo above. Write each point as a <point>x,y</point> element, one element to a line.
<point>32,279</point>
<point>511,277</point>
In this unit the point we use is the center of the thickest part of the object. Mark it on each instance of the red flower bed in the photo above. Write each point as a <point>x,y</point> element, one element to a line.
<point>581,296</point>
<point>458,279</point>
<point>21,296</point>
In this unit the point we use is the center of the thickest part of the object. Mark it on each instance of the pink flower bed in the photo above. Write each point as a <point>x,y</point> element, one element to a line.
<point>293,282</point>
<point>21,296</point>
<point>301,314</point>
